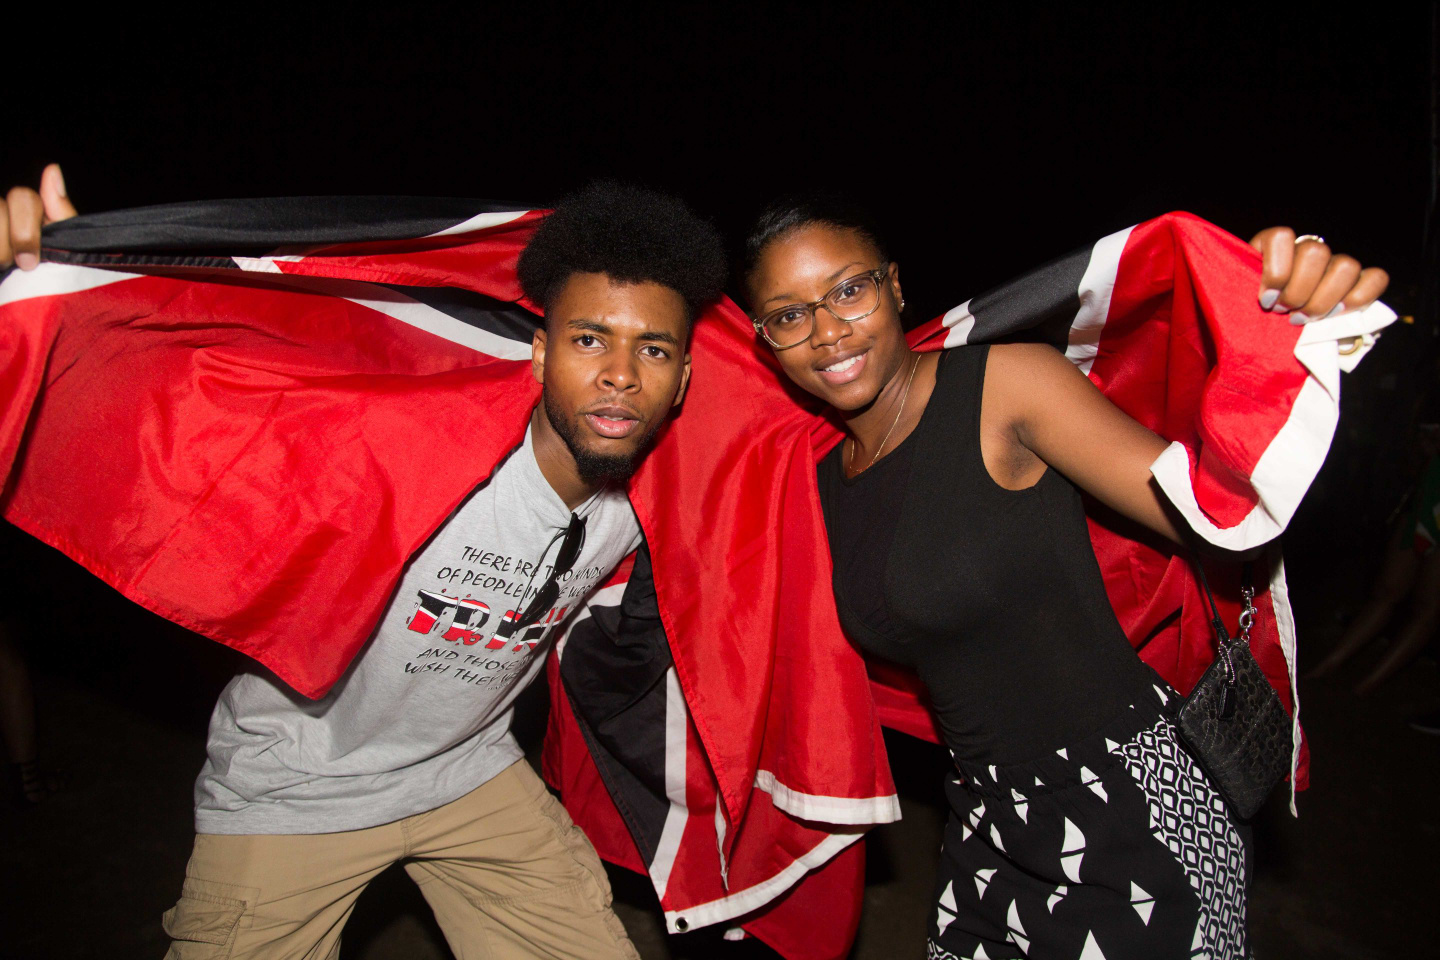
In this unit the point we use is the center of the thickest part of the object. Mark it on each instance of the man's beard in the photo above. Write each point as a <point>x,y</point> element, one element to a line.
<point>594,468</point>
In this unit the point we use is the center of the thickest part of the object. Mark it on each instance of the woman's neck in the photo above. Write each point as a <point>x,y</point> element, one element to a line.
<point>893,414</point>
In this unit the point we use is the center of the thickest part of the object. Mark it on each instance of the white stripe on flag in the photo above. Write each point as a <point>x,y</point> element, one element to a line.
<point>1096,288</point>
<point>959,321</point>
<point>822,809</point>
<point>395,305</point>
<point>754,897</point>
<point>265,264</point>
<point>481,221</point>
<point>427,318</point>
<point>50,279</point>
<point>1289,464</point>
<point>1285,626</point>
<point>678,814</point>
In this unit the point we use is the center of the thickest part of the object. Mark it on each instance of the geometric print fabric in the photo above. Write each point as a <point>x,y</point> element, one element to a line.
<point>1190,816</point>
<point>1114,847</point>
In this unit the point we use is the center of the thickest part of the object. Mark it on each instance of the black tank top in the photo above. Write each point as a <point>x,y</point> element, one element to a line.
<point>993,596</point>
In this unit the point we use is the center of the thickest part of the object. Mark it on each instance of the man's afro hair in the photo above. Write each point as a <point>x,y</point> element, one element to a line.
<point>631,235</point>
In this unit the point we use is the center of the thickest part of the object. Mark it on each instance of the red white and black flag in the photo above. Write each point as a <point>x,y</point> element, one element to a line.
<point>245,416</point>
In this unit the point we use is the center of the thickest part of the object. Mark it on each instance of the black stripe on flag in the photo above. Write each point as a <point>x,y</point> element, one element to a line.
<point>508,320</point>
<point>218,228</point>
<point>137,261</point>
<point>1037,307</point>
<point>614,668</point>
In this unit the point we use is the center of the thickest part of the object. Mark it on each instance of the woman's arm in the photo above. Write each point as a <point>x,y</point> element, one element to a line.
<point>1039,409</point>
<point>1052,410</point>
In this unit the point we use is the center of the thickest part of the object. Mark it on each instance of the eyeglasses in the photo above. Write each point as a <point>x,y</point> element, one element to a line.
<point>853,298</point>
<point>569,552</point>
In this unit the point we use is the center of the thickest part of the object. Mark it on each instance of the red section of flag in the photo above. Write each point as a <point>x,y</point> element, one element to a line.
<point>26,338</point>
<point>171,445</point>
<point>729,503</point>
<point>833,892</point>
<point>483,262</point>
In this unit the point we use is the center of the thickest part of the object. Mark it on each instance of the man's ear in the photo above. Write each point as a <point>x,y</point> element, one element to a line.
<point>684,382</point>
<point>537,354</point>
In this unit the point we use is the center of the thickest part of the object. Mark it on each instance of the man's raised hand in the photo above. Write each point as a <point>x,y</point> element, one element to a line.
<point>24,211</point>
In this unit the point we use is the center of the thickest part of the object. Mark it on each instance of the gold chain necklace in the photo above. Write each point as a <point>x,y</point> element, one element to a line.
<point>850,460</point>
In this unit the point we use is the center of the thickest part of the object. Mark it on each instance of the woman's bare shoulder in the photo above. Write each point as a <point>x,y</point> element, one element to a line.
<point>1027,366</point>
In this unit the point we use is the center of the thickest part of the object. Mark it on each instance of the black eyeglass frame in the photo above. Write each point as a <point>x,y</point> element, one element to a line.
<point>877,275</point>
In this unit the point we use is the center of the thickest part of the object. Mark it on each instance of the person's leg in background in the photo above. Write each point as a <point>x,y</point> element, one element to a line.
<point>1392,585</point>
<point>1418,630</point>
<point>17,718</point>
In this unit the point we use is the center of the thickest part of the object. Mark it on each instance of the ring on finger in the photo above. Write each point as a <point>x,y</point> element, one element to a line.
<point>1309,236</point>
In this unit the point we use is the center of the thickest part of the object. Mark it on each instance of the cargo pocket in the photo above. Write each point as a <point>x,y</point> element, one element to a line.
<point>202,925</point>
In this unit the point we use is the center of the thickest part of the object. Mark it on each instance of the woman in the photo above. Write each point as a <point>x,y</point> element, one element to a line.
<point>960,549</point>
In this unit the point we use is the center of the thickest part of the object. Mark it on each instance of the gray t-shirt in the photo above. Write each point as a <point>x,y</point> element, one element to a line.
<point>422,716</point>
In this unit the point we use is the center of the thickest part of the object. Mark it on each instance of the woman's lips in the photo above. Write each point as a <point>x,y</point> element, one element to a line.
<point>614,428</point>
<point>848,370</point>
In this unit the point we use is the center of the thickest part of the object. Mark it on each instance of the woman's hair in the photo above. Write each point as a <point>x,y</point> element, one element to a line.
<point>792,213</point>
<point>630,234</point>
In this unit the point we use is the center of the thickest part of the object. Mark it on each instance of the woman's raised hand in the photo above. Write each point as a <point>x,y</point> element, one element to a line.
<point>1303,278</point>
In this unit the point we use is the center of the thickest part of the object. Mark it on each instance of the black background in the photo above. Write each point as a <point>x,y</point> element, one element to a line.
<point>986,141</point>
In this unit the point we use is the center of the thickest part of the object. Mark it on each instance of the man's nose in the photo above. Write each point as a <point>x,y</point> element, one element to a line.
<point>620,374</point>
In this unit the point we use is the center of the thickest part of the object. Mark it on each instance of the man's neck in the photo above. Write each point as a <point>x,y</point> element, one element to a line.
<point>557,464</point>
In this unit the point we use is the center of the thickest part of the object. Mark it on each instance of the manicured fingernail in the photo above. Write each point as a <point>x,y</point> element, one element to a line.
<point>1298,319</point>
<point>1268,298</point>
<point>1336,310</point>
<point>27,261</point>
<point>60,181</point>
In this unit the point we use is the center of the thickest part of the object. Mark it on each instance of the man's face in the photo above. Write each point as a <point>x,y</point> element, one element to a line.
<point>613,363</point>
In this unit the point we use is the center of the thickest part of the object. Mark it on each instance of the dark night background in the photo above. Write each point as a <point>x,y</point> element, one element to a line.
<point>985,140</point>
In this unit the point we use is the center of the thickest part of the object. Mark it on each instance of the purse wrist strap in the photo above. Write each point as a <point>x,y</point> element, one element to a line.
<point>1246,589</point>
<point>1222,637</point>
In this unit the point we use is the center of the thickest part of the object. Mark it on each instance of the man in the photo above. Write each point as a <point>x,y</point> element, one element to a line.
<point>410,757</point>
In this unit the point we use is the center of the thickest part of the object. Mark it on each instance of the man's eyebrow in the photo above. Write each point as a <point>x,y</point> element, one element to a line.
<point>650,336</point>
<point>834,278</point>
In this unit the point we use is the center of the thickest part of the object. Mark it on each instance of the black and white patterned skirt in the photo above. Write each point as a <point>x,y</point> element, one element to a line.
<point>1116,847</point>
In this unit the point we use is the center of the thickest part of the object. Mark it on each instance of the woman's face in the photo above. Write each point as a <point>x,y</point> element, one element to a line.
<point>844,364</point>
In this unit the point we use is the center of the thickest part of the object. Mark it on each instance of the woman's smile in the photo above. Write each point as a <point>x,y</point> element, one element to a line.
<point>843,367</point>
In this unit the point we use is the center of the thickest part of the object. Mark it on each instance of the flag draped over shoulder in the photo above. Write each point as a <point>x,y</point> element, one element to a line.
<point>247,415</point>
<point>252,446</point>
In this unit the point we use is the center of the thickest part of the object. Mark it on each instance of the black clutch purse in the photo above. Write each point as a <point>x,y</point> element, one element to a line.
<point>1233,722</point>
